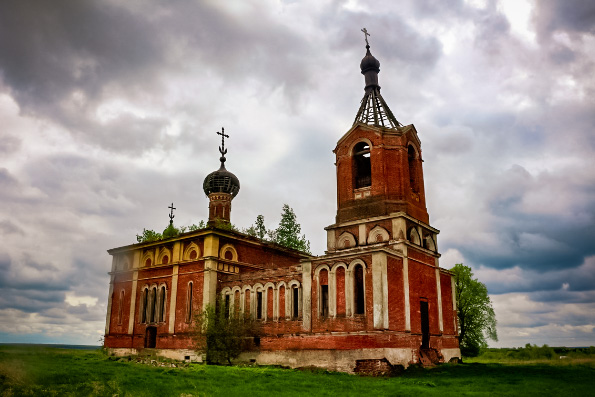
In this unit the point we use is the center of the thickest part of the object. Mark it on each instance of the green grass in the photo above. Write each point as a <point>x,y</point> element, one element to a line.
<point>44,371</point>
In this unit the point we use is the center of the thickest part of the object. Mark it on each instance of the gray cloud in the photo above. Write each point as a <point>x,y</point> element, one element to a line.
<point>110,111</point>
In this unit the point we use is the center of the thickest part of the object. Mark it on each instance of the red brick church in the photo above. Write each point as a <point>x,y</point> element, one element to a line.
<point>377,295</point>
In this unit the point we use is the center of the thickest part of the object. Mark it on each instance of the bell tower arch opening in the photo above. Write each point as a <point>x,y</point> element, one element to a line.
<point>362,168</point>
<point>413,172</point>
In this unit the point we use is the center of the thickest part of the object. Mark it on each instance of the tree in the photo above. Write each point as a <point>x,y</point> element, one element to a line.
<point>148,236</point>
<point>223,333</point>
<point>260,228</point>
<point>477,320</point>
<point>288,232</point>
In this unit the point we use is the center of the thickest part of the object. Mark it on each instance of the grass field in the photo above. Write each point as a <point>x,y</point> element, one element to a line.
<point>45,371</point>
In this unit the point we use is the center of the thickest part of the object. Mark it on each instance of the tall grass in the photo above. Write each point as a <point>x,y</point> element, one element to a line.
<point>36,371</point>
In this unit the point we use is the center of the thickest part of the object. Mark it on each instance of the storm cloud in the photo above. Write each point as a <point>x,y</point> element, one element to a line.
<point>109,112</point>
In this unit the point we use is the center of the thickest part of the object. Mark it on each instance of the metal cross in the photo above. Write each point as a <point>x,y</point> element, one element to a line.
<point>222,149</point>
<point>366,34</point>
<point>171,214</point>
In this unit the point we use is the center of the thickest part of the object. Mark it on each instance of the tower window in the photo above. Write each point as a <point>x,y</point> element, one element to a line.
<point>413,173</point>
<point>362,168</point>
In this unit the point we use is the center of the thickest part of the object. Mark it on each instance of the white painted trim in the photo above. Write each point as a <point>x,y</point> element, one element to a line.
<point>439,294</point>
<point>173,300</point>
<point>406,290</point>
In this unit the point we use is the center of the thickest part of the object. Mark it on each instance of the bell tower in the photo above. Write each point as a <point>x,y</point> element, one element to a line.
<point>379,172</point>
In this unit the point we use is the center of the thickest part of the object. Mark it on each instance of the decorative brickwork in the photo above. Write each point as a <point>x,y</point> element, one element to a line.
<point>376,300</point>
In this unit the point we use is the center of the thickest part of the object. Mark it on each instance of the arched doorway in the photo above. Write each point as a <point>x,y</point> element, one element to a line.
<point>151,337</point>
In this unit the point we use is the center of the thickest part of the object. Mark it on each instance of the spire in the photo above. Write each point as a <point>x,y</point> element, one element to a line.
<point>373,109</point>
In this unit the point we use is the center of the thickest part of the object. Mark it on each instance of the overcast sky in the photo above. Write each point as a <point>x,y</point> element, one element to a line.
<point>108,114</point>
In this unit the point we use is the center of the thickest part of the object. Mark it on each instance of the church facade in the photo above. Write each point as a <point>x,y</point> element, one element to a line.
<point>377,295</point>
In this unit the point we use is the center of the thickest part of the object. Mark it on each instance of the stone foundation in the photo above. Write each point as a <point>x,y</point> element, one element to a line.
<point>172,354</point>
<point>333,360</point>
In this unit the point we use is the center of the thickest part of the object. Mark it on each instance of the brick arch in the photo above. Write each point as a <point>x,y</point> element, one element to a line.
<point>429,243</point>
<point>147,255</point>
<point>376,233</point>
<point>228,248</point>
<point>188,251</point>
<point>245,299</point>
<point>269,302</point>
<point>164,252</point>
<point>348,238</point>
<point>338,290</point>
<point>359,140</point>
<point>413,236</point>
<point>258,287</point>
<point>289,299</point>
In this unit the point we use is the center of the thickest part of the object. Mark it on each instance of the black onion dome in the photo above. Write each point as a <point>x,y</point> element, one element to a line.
<point>369,62</point>
<point>221,181</point>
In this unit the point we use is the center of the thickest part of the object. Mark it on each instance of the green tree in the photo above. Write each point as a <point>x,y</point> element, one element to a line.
<point>260,228</point>
<point>288,232</point>
<point>148,236</point>
<point>477,320</point>
<point>223,333</point>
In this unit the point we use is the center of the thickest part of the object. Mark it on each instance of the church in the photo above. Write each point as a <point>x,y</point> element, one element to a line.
<point>376,297</point>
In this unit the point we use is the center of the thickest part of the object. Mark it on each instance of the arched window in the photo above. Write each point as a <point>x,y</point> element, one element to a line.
<point>324,301</point>
<point>189,303</point>
<point>412,160</point>
<point>259,305</point>
<point>153,305</point>
<point>193,254</point>
<point>295,302</point>
<point>228,255</point>
<point>144,304</point>
<point>247,302</point>
<point>120,307</point>
<point>165,260</point>
<point>362,168</point>
<point>148,262</point>
<point>281,304</point>
<point>162,305</point>
<point>358,289</point>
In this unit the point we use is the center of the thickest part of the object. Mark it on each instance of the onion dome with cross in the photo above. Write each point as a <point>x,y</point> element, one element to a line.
<point>221,181</point>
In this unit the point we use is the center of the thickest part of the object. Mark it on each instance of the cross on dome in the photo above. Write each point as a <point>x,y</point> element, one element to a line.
<point>171,213</point>
<point>366,34</point>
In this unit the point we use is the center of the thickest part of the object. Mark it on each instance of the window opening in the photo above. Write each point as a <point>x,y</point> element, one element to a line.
<point>296,300</point>
<point>413,180</point>
<point>324,300</point>
<point>162,305</point>
<point>144,307</point>
<point>153,304</point>
<point>358,292</point>
<point>362,166</point>
<point>193,254</point>
<point>228,255</point>
<point>165,260</point>
<point>259,305</point>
